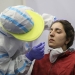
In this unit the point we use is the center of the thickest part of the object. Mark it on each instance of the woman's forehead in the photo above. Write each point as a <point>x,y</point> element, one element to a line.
<point>57,25</point>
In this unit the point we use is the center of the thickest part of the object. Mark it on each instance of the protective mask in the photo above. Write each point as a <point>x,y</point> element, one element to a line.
<point>54,53</point>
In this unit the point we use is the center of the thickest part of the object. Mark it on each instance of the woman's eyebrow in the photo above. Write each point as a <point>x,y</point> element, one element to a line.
<point>57,29</point>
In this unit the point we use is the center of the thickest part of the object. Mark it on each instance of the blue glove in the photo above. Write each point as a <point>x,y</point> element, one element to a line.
<point>37,52</point>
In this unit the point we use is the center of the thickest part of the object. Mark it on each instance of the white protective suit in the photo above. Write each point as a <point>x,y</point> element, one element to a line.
<point>12,55</point>
<point>12,51</point>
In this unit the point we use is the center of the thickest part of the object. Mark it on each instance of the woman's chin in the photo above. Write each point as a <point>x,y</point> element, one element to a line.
<point>51,46</point>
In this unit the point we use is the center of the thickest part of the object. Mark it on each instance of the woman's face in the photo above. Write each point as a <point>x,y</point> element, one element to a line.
<point>57,36</point>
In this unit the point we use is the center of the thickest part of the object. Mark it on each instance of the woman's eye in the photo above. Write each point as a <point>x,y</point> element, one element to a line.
<point>59,32</point>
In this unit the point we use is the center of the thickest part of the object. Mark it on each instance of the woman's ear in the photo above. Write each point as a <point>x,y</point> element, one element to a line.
<point>67,41</point>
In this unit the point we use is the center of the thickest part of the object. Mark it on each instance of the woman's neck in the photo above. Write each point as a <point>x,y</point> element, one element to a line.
<point>64,48</point>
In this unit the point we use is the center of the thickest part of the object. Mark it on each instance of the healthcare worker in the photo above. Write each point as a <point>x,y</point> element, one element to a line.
<point>17,25</point>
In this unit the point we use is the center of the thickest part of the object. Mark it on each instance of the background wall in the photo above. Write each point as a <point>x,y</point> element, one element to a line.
<point>5,3</point>
<point>62,9</point>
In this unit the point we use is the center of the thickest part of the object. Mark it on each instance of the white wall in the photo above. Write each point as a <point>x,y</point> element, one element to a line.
<point>62,9</point>
<point>6,3</point>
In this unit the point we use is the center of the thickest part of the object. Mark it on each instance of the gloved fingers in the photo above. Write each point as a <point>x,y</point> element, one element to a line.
<point>38,45</point>
<point>42,50</point>
<point>55,18</point>
<point>42,53</point>
<point>41,47</point>
<point>43,43</point>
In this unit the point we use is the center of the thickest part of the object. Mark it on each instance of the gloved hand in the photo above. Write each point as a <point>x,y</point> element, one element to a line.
<point>48,19</point>
<point>37,52</point>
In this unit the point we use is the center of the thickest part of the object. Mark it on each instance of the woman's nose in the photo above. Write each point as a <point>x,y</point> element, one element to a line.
<point>52,33</point>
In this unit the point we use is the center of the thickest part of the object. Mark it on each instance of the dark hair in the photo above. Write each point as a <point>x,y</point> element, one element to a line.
<point>68,29</point>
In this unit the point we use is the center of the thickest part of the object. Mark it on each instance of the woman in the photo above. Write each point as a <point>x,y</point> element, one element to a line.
<point>61,59</point>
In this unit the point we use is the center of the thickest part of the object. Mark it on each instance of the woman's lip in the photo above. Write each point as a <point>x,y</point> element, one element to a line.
<point>51,40</point>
